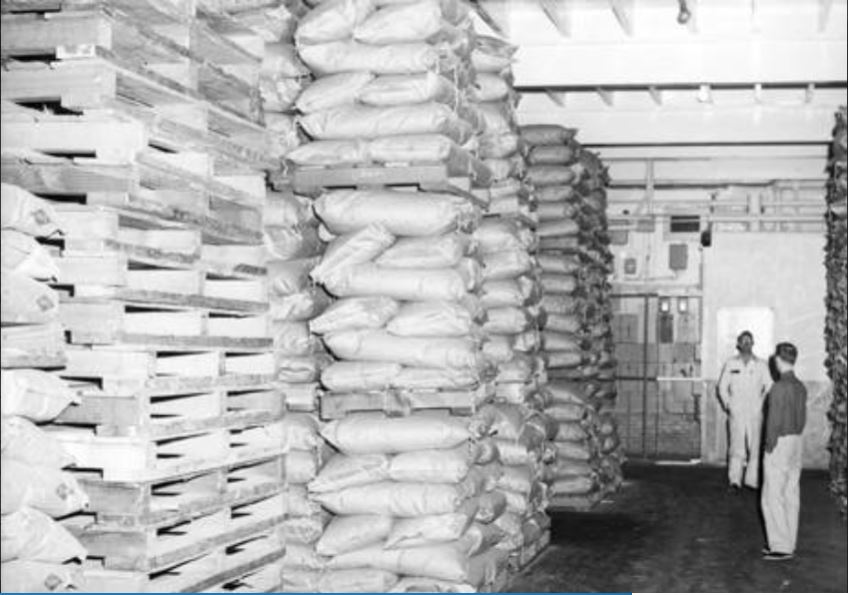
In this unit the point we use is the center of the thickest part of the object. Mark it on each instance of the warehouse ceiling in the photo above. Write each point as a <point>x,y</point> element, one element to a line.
<point>684,92</point>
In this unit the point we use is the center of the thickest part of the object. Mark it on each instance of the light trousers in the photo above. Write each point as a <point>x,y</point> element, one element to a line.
<point>744,450</point>
<point>781,498</point>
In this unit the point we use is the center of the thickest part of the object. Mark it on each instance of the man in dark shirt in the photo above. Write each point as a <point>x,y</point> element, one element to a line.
<point>786,414</point>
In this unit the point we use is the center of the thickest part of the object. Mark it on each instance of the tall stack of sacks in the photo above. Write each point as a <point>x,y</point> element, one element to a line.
<point>282,75</point>
<point>293,249</point>
<point>574,256</point>
<point>510,294</point>
<point>38,554</point>
<point>392,81</point>
<point>413,499</point>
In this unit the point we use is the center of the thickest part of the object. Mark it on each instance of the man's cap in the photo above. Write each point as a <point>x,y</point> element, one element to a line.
<point>744,334</point>
<point>787,352</point>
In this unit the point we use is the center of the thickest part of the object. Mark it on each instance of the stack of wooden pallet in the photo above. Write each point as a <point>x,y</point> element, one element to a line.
<point>141,123</point>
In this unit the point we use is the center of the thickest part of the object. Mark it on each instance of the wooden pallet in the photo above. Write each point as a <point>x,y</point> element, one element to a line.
<point>135,458</point>
<point>125,504</point>
<point>129,191</point>
<point>149,549</point>
<point>110,371</point>
<point>206,572</point>
<point>396,402</point>
<point>261,579</point>
<point>456,176</point>
<point>33,346</point>
<point>163,416</point>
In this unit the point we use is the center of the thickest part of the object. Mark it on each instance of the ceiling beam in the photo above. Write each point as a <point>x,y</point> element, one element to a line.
<point>558,13</point>
<point>718,124</point>
<point>623,11</point>
<point>662,63</point>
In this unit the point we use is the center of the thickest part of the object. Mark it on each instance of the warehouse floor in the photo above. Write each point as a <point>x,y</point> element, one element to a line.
<point>675,529</point>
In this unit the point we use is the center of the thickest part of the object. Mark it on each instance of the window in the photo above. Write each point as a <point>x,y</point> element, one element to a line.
<point>685,224</point>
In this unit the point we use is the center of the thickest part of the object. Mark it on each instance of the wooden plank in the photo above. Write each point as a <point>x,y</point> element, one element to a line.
<point>113,141</point>
<point>92,270</point>
<point>33,346</point>
<point>150,342</point>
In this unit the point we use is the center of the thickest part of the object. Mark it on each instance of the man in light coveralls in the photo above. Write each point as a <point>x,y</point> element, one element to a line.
<point>745,379</point>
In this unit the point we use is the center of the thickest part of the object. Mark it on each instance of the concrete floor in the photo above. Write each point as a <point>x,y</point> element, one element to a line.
<point>675,529</point>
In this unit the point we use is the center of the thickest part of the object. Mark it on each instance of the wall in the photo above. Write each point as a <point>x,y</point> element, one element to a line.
<point>785,273</point>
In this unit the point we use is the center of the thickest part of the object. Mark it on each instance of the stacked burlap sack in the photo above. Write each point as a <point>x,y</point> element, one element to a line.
<point>414,507</point>
<point>511,291</point>
<point>282,75</point>
<point>392,83</point>
<point>37,553</point>
<point>569,187</point>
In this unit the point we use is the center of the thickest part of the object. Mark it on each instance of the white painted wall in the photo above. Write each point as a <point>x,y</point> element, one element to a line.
<point>784,272</point>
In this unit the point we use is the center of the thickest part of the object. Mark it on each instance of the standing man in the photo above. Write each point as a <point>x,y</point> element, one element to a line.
<point>786,414</point>
<point>742,387</point>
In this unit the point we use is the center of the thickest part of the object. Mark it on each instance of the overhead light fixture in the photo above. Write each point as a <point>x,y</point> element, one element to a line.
<point>665,305</point>
<point>683,304</point>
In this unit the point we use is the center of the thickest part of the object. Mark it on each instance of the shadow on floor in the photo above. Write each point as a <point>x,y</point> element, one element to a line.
<point>676,529</point>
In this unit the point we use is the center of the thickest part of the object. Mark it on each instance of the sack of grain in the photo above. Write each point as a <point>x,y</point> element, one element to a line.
<point>352,533</point>
<point>279,94</point>
<point>442,251</point>
<point>564,264</point>
<point>304,530</point>
<point>403,284</point>
<point>380,346</point>
<point>33,394</point>
<point>560,284</point>
<point>506,264</point>
<point>547,134</point>
<point>359,580</point>
<point>444,561</point>
<point>351,56</point>
<point>421,148</point>
<point>508,321</point>
<point>564,359</point>
<point>437,378</point>
<point>49,490</point>
<point>496,235</point>
<point>27,576</point>
<point>508,292</point>
<point>333,91</point>
<point>28,534</point>
<point>27,213</point>
<point>406,89</point>
<point>332,20</point>
<point>402,213</point>
<point>361,121</point>
<point>301,306</point>
<point>424,584</point>
<point>293,339</point>
<point>572,485</point>
<point>23,441</point>
<point>557,229</point>
<point>431,529</point>
<point>399,499</point>
<point>499,146</point>
<point>558,341</point>
<point>301,466</point>
<point>434,319</point>
<point>357,247</point>
<point>287,277</point>
<point>564,154</point>
<point>360,376</point>
<point>283,134</point>
<point>557,323</point>
<point>403,23</point>
<point>286,210</point>
<point>554,211</point>
<point>26,301</point>
<point>287,243</point>
<point>22,254</point>
<point>355,313</point>
<point>492,55</point>
<point>563,468</point>
<point>270,21</point>
<point>302,557</point>
<point>300,432</point>
<point>368,433</point>
<point>281,59</point>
